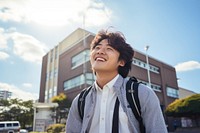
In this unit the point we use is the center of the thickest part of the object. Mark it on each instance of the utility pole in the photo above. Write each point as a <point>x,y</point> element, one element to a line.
<point>85,54</point>
<point>148,67</point>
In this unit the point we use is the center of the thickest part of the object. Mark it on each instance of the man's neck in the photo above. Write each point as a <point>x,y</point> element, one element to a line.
<point>103,78</point>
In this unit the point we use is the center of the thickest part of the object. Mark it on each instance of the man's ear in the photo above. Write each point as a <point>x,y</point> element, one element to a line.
<point>121,63</point>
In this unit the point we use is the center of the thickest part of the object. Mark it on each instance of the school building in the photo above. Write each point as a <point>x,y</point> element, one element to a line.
<point>66,69</point>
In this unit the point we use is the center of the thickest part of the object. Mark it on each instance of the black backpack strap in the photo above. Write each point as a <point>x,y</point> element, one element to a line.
<point>81,101</point>
<point>133,100</point>
<point>115,122</point>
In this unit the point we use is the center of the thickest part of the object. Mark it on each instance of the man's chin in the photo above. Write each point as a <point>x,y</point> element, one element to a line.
<point>98,69</point>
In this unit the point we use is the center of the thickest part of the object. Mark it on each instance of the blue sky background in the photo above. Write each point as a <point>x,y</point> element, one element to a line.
<point>30,28</point>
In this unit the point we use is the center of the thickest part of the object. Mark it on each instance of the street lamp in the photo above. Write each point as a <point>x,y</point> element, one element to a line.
<point>147,60</point>
<point>84,48</point>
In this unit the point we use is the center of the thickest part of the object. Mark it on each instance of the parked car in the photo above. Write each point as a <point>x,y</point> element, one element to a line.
<point>29,129</point>
<point>23,131</point>
<point>9,126</point>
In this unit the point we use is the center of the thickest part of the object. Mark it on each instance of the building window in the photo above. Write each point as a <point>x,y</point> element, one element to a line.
<point>5,94</point>
<point>54,91</point>
<point>142,64</point>
<point>154,69</point>
<point>46,99</point>
<point>80,58</point>
<point>155,87</point>
<point>46,95</point>
<point>139,63</point>
<point>171,92</point>
<point>79,80</point>
<point>56,52</point>
<point>74,82</point>
<point>50,92</point>
<point>51,57</point>
<point>51,74</point>
<point>47,76</point>
<point>55,72</point>
<point>89,78</point>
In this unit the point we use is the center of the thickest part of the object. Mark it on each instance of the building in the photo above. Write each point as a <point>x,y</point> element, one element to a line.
<point>5,94</point>
<point>66,68</point>
<point>43,116</point>
<point>185,121</point>
<point>183,93</point>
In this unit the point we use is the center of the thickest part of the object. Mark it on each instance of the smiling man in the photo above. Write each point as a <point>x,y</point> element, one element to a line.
<point>111,60</point>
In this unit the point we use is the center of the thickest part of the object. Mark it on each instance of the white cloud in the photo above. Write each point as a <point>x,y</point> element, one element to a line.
<point>97,17</point>
<point>54,12</point>
<point>27,85</point>
<point>27,47</point>
<point>3,39</point>
<point>12,10</point>
<point>3,55</point>
<point>18,93</point>
<point>187,66</point>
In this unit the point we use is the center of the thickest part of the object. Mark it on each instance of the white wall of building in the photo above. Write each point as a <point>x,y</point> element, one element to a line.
<point>42,116</point>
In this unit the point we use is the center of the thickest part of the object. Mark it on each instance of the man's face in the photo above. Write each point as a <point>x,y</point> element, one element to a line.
<point>105,58</point>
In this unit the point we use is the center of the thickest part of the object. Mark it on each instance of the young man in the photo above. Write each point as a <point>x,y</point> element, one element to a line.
<point>111,60</point>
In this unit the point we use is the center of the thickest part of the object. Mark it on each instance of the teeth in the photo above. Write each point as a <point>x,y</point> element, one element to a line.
<point>100,59</point>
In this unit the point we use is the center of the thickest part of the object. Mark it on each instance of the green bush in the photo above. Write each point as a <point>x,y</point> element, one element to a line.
<point>37,132</point>
<point>186,107</point>
<point>56,128</point>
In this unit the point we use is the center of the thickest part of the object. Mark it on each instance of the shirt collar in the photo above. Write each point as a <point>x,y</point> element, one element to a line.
<point>110,84</point>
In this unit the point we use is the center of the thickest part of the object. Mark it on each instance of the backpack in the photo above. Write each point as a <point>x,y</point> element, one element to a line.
<point>132,98</point>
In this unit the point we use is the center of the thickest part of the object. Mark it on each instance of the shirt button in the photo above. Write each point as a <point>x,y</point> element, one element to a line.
<point>102,119</point>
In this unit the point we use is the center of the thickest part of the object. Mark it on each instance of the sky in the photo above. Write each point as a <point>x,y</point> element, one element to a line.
<point>30,28</point>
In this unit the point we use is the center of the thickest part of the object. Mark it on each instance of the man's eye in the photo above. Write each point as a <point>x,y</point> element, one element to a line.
<point>109,48</point>
<point>94,47</point>
<point>97,47</point>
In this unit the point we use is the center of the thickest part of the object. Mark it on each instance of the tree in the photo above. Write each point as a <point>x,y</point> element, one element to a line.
<point>63,106</point>
<point>187,107</point>
<point>18,110</point>
<point>27,113</point>
<point>4,109</point>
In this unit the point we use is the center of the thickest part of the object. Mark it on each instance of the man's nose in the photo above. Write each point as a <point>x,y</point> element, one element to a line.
<point>101,51</point>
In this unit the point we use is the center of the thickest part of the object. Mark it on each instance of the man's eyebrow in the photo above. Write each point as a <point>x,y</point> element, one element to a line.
<point>96,44</point>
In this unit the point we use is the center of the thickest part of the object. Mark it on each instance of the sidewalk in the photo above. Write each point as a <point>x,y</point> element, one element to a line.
<point>187,130</point>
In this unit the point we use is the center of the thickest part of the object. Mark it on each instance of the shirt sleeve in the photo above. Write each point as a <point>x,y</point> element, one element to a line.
<point>74,122</point>
<point>151,111</point>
